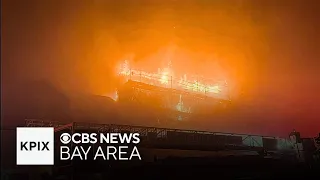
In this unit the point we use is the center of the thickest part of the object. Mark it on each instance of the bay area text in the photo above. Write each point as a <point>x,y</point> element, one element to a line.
<point>93,146</point>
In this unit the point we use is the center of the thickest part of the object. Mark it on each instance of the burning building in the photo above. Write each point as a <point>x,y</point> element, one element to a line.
<point>165,90</point>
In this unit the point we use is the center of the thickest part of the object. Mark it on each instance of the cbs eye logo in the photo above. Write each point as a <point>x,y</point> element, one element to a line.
<point>65,138</point>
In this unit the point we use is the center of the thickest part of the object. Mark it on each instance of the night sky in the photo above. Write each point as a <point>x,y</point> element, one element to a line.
<point>269,49</point>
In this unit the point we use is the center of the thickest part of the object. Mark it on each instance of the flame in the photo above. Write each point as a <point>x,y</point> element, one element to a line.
<point>124,69</point>
<point>180,106</point>
<point>165,77</point>
<point>113,95</point>
<point>165,74</point>
<point>196,86</point>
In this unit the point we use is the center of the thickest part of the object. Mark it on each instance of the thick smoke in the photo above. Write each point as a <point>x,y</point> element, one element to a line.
<point>266,50</point>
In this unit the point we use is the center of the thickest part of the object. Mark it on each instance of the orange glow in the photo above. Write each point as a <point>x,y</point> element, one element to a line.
<point>256,46</point>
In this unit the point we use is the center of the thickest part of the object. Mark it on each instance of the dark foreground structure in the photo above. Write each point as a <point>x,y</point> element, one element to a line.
<point>174,153</point>
<point>245,167</point>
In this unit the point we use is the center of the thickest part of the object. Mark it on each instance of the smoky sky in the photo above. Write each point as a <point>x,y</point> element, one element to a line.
<point>270,49</point>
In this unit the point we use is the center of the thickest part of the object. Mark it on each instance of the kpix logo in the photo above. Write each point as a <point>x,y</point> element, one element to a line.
<point>31,145</point>
<point>35,146</point>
